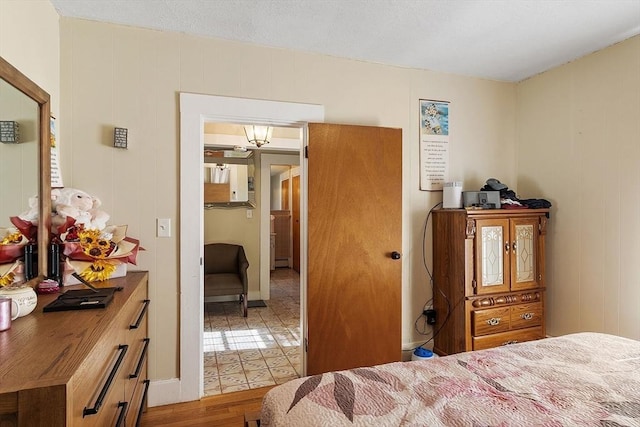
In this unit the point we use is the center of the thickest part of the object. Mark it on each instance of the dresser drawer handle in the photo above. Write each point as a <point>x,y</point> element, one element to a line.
<point>526,316</point>
<point>494,321</point>
<point>510,342</point>
<point>143,356</point>
<point>143,401</point>
<point>122,348</point>
<point>142,313</point>
<point>123,412</point>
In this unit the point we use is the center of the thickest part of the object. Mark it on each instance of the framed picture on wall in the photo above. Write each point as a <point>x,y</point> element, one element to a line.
<point>434,144</point>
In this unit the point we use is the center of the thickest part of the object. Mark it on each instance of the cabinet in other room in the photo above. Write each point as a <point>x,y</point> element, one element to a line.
<point>489,282</point>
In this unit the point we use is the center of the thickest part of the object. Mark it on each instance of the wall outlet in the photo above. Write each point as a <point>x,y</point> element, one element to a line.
<point>430,314</point>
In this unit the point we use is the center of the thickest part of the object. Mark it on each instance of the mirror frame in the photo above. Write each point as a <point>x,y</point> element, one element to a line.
<point>248,161</point>
<point>14,77</point>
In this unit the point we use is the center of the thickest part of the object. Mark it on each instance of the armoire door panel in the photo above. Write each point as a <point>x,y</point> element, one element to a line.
<point>493,250</point>
<point>354,224</point>
<point>524,244</point>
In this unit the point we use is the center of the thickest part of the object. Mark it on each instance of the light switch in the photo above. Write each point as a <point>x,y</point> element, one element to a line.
<point>164,227</point>
<point>249,213</point>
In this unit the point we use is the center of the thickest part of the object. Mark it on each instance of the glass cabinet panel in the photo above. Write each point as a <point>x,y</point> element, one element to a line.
<point>492,257</point>
<point>524,261</point>
<point>492,272</point>
<point>525,265</point>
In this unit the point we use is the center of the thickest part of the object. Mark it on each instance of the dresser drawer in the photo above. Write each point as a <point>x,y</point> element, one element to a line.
<point>137,401</point>
<point>526,315</point>
<point>506,338</point>
<point>9,409</point>
<point>100,384</point>
<point>490,321</point>
<point>136,368</point>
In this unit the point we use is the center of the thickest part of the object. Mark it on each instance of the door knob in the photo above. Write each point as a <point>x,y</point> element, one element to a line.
<point>395,255</point>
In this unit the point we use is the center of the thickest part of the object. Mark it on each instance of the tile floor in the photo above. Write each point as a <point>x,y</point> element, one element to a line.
<point>260,350</point>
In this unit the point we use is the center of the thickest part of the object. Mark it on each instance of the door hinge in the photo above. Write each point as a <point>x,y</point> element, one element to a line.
<point>306,345</point>
<point>474,284</point>
<point>306,151</point>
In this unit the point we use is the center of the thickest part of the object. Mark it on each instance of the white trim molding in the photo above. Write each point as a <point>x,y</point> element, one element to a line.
<point>195,110</point>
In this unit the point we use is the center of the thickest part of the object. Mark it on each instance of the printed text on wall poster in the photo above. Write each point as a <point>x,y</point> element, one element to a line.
<point>56,172</point>
<point>434,144</point>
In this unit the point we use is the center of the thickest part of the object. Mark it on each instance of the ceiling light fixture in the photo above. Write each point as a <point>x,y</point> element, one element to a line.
<point>258,135</point>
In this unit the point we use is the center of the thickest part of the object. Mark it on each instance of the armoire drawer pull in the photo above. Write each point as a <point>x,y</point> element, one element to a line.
<point>526,316</point>
<point>143,355</point>
<point>122,348</point>
<point>510,342</point>
<point>142,313</point>
<point>143,401</point>
<point>123,413</point>
<point>494,321</point>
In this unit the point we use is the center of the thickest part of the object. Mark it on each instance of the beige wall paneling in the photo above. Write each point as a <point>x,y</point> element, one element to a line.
<point>160,65</point>
<point>578,130</point>
<point>30,41</point>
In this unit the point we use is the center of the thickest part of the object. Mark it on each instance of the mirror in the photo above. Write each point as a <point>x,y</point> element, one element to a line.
<point>228,178</point>
<point>25,165</point>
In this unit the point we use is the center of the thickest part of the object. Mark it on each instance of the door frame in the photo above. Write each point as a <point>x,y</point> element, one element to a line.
<point>195,110</point>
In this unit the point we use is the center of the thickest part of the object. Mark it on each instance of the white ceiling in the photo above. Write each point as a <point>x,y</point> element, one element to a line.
<point>496,39</point>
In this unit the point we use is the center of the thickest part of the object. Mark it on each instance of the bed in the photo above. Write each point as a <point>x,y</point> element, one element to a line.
<point>583,379</point>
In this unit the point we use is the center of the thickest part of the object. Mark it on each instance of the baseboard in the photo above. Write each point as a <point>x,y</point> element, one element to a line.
<point>163,392</point>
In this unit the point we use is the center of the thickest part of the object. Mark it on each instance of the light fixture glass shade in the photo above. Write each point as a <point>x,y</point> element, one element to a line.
<point>258,135</point>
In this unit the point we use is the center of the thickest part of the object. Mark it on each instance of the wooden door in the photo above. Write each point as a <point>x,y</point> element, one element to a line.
<point>493,254</point>
<point>284,195</point>
<point>295,214</point>
<point>354,224</point>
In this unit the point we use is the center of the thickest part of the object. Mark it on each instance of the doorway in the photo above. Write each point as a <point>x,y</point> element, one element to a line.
<point>195,109</point>
<point>262,349</point>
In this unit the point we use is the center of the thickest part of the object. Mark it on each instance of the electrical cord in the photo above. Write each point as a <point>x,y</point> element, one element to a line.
<point>424,241</point>
<point>423,329</point>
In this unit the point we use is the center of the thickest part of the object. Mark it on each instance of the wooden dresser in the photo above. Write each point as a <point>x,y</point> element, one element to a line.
<point>488,271</point>
<point>78,368</point>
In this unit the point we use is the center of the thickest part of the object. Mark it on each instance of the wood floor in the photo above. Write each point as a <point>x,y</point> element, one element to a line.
<point>225,410</point>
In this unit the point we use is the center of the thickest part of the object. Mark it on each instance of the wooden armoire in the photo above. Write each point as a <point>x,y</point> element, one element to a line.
<point>488,277</point>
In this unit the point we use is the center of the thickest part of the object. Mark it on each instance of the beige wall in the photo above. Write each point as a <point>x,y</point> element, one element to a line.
<point>579,146</point>
<point>29,40</point>
<point>116,75</point>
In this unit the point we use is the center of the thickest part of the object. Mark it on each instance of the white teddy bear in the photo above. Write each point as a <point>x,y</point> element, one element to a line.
<point>76,204</point>
<point>32,214</point>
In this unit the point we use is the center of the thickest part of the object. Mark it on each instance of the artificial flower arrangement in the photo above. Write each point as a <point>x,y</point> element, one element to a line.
<point>97,255</point>
<point>91,248</point>
<point>13,241</point>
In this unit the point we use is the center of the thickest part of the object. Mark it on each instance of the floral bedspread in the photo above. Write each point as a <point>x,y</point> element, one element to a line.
<point>584,379</point>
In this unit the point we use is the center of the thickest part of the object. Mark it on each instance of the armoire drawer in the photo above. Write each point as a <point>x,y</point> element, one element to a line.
<point>526,315</point>
<point>490,321</point>
<point>506,338</point>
